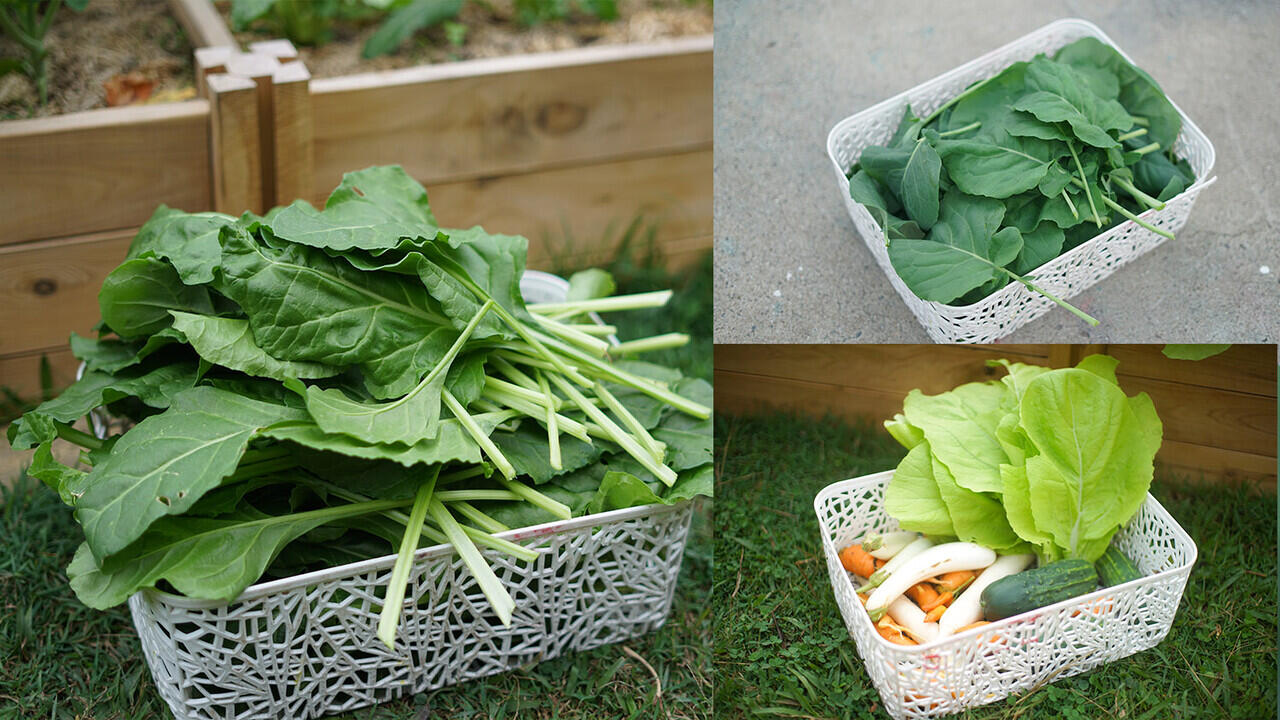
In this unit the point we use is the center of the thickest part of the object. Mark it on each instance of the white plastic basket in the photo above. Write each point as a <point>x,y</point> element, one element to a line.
<point>1002,312</point>
<point>1026,651</point>
<point>306,646</point>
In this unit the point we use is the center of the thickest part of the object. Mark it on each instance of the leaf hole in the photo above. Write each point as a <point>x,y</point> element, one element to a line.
<point>164,500</point>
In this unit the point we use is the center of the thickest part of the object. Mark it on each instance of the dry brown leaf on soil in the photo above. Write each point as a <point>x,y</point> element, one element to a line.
<point>128,88</point>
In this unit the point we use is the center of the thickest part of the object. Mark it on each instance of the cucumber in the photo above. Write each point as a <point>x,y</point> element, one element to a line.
<point>1114,568</point>
<point>1031,589</point>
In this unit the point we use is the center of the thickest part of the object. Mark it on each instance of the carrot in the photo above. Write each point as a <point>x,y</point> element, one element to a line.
<point>923,594</point>
<point>879,563</point>
<point>895,636</point>
<point>857,561</point>
<point>936,613</point>
<point>954,581</point>
<point>971,626</point>
<point>939,601</point>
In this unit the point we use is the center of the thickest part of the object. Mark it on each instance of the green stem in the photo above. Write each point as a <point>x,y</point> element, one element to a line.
<point>1132,134</point>
<point>1137,194</point>
<point>568,424</point>
<point>1118,208</point>
<point>971,126</point>
<point>528,395</point>
<point>1148,148</point>
<point>78,437</point>
<point>483,521</point>
<point>517,376</point>
<point>260,468</point>
<point>489,583</point>
<point>393,603</point>
<point>969,91</point>
<point>650,344</point>
<point>617,434</point>
<point>553,426</point>
<point>592,344</point>
<point>551,505</point>
<point>499,460</point>
<point>1067,196</point>
<point>1084,184</point>
<point>1141,121</point>
<point>636,301</point>
<point>477,494</point>
<point>656,449</point>
<point>596,329</point>
<point>1067,306</point>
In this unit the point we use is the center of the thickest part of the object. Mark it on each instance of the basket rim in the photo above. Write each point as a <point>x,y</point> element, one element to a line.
<point>279,585</point>
<point>959,639</point>
<point>1203,181</point>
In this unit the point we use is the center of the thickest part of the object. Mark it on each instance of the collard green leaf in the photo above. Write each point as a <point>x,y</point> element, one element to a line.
<point>229,342</point>
<point>1059,93</point>
<point>997,168</point>
<point>1095,461</point>
<point>371,209</point>
<point>1137,91</point>
<point>920,179</point>
<point>965,250</point>
<point>188,241</point>
<point>166,462</point>
<point>137,296</point>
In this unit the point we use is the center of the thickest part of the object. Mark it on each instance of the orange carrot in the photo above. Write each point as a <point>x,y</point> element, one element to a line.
<point>971,626</point>
<point>953,581</point>
<point>895,636</point>
<point>923,594</point>
<point>939,601</point>
<point>936,613</point>
<point>879,563</point>
<point>857,561</point>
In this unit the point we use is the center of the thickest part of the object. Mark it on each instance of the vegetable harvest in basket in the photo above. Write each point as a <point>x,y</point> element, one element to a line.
<point>1019,169</point>
<point>1041,467</point>
<point>316,387</point>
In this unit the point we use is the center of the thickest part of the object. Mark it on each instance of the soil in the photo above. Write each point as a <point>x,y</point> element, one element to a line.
<point>492,31</point>
<point>87,49</point>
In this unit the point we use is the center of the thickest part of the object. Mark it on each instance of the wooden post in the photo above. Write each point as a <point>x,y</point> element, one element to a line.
<point>235,152</point>
<point>292,145</point>
<point>209,60</point>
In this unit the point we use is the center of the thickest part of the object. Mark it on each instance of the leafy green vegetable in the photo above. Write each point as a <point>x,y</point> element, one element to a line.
<point>1057,460</point>
<point>303,376</point>
<point>1005,176</point>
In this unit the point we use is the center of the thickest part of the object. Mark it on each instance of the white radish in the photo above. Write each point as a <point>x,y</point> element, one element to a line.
<point>937,560</point>
<point>903,556</point>
<point>884,547</point>
<point>911,618</point>
<point>967,609</point>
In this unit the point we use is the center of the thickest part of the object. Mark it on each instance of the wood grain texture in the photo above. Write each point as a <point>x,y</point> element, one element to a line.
<point>202,23</point>
<point>1221,423</point>
<point>50,288</point>
<point>101,169</point>
<point>293,135</point>
<point>482,118</point>
<point>236,144</point>
<point>580,206</point>
<point>20,373</point>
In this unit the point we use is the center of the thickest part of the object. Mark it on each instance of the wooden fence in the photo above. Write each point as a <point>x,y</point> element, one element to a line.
<point>1219,414</point>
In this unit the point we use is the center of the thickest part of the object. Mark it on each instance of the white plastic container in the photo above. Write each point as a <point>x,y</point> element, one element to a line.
<point>1019,653</point>
<point>306,646</point>
<point>1007,309</point>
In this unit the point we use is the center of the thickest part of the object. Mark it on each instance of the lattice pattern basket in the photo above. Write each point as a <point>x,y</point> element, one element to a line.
<point>306,646</point>
<point>1026,651</point>
<point>1002,312</point>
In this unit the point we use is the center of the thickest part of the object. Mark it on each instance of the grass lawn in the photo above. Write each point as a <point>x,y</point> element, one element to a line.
<point>59,659</point>
<point>781,649</point>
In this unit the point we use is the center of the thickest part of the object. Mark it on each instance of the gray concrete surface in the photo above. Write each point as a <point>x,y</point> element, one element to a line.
<point>789,266</point>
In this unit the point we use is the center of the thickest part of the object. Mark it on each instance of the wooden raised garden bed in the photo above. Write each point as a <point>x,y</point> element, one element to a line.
<point>574,143</point>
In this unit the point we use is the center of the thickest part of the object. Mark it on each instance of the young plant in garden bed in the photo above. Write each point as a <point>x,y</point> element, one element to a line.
<point>1019,169</point>
<point>313,384</point>
<point>26,22</point>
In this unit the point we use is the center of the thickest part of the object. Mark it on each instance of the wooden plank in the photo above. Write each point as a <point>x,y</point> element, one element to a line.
<point>1196,462</point>
<point>479,118</point>
<point>236,143</point>
<point>20,373</point>
<point>101,169</point>
<point>584,206</point>
<point>202,23</point>
<point>1210,416</point>
<point>292,128</point>
<point>50,288</point>
<point>1242,368</point>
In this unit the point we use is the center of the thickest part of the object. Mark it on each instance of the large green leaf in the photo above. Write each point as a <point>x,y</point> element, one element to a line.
<point>189,241</point>
<point>1137,91</point>
<point>912,496</point>
<point>1059,93</point>
<point>997,168</point>
<point>621,490</point>
<point>166,462</point>
<point>526,450</point>
<point>371,209</point>
<point>688,439</point>
<point>964,251</point>
<point>306,306</point>
<point>977,517</point>
<point>865,190</point>
<point>205,558</point>
<point>920,179</point>
<point>137,296</point>
<point>1095,461</point>
<point>229,342</point>
<point>960,427</point>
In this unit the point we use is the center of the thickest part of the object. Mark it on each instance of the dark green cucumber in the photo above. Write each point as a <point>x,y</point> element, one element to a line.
<point>1031,589</point>
<point>1115,568</point>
